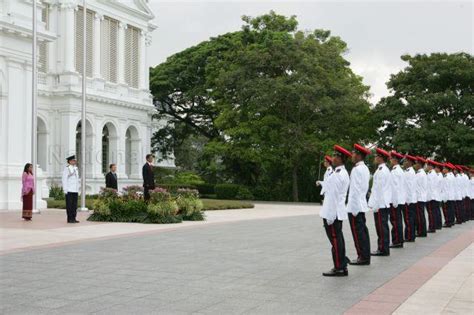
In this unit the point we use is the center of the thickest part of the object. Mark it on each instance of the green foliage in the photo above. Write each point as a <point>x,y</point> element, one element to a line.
<point>430,111</point>
<point>173,188</point>
<point>56,192</point>
<point>232,191</point>
<point>216,204</point>
<point>206,189</point>
<point>261,97</point>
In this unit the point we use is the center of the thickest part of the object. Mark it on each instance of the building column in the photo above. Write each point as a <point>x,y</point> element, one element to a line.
<point>52,47</point>
<point>142,74</point>
<point>96,46</point>
<point>121,53</point>
<point>68,35</point>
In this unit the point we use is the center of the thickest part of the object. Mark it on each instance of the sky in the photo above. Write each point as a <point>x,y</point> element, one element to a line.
<point>377,32</point>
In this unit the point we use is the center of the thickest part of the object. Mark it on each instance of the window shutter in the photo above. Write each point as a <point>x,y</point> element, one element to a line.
<point>43,46</point>
<point>79,49</point>
<point>132,55</point>
<point>109,33</point>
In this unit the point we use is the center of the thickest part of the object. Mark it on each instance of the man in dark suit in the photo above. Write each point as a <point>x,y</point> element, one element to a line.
<point>148,176</point>
<point>111,177</point>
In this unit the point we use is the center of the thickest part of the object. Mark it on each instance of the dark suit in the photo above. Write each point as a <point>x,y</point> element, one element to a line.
<point>111,180</point>
<point>148,180</point>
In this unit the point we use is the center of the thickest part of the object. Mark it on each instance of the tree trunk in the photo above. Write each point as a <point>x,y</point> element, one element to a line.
<point>295,183</point>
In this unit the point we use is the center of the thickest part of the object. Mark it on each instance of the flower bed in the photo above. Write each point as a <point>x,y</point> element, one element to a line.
<point>163,207</point>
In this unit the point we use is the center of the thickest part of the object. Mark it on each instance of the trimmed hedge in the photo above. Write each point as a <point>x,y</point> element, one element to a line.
<point>232,191</point>
<point>206,189</point>
<point>173,188</point>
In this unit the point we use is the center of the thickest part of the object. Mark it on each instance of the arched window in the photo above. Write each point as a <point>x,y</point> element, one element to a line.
<point>105,148</point>
<point>132,153</point>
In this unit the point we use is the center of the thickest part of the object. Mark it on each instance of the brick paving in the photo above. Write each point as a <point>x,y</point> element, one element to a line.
<point>265,266</point>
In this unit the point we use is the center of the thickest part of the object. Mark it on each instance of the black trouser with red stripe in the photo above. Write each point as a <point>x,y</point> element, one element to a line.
<point>467,209</point>
<point>336,238</point>
<point>449,212</point>
<point>360,234</point>
<point>472,208</point>
<point>459,211</point>
<point>420,219</point>
<point>437,212</point>
<point>409,213</point>
<point>381,226</point>
<point>397,224</point>
<point>430,208</point>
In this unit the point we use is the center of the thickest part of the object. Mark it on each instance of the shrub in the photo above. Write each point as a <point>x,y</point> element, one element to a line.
<point>159,194</point>
<point>189,205</point>
<point>56,192</point>
<point>164,208</point>
<point>101,207</point>
<point>206,189</point>
<point>172,188</point>
<point>232,191</point>
<point>107,193</point>
<point>133,192</point>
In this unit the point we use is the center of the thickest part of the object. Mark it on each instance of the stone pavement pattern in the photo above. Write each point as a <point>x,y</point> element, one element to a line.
<point>270,266</point>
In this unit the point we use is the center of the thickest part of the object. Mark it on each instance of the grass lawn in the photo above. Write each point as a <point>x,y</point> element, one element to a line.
<point>209,204</point>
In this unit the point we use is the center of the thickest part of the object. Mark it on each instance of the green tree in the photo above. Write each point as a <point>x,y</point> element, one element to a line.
<point>431,109</point>
<point>269,99</point>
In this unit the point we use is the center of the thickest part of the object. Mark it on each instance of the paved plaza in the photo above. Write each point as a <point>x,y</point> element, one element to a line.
<point>266,260</point>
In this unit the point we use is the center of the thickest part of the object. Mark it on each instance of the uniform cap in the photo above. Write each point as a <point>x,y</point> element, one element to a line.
<point>420,160</point>
<point>361,149</point>
<point>382,152</point>
<point>395,154</point>
<point>410,157</point>
<point>328,158</point>
<point>341,150</point>
<point>431,162</point>
<point>69,158</point>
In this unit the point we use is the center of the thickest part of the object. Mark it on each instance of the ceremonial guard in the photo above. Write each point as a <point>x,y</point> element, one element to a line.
<point>357,205</point>
<point>457,195</point>
<point>465,193</point>
<point>70,181</point>
<point>327,163</point>
<point>334,212</point>
<point>448,195</point>
<point>432,180</point>
<point>471,193</point>
<point>410,206</point>
<point>438,195</point>
<point>421,188</point>
<point>398,199</point>
<point>379,201</point>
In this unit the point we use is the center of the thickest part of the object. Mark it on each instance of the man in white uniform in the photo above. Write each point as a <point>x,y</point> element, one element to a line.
<point>398,199</point>
<point>448,195</point>
<point>464,182</point>
<point>70,181</point>
<point>432,181</point>
<point>438,195</point>
<point>410,206</point>
<point>357,205</point>
<point>379,201</point>
<point>471,193</point>
<point>458,195</point>
<point>421,192</point>
<point>334,212</point>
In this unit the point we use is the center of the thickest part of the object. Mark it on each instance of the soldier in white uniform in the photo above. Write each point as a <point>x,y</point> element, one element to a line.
<point>421,191</point>
<point>471,193</point>
<point>438,196</point>
<point>334,212</point>
<point>398,199</point>
<point>448,195</point>
<point>70,181</point>
<point>327,163</point>
<point>431,195</point>
<point>379,201</point>
<point>357,205</point>
<point>458,195</point>
<point>410,206</point>
<point>464,189</point>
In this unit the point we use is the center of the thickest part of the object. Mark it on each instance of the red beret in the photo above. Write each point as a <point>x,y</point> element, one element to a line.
<point>410,157</point>
<point>340,149</point>
<point>361,149</point>
<point>451,166</point>
<point>382,152</point>
<point>431,162</point>
<point>396,155</point>
<point>459,167</point>
<point>328,158</point>
<point>420,159</point>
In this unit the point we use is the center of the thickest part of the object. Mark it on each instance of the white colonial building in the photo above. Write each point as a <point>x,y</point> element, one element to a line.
<point>119,121</point>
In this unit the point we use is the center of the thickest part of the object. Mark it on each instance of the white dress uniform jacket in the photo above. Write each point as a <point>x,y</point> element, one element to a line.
<point>458,189</point>
<point>398,186</point>
<point>421,185</point>
<point>328,173</point>
<point>381,194</point>
<point>449,187</point>
<point>471,189</point>
<point>358,188</point>
<point>432,180</point>
<point>70,179</point>
<point>336,187</point>
<point>410,180</point>
<point>439,187</point>
<point>465,185</point>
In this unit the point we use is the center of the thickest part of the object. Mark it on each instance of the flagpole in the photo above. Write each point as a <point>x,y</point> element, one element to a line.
<point>83,116</point>
<point>34,108</point>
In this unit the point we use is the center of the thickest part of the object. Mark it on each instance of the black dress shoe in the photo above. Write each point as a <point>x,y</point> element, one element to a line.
<point>75,221</point>
<point>379,253</point>
<point>447,225</point>
<point>396,245</point>
<point>410,241</point>
<point>336,273</point>
<point>431,231</point>
<point>360,262</point>
<point>421,235</point>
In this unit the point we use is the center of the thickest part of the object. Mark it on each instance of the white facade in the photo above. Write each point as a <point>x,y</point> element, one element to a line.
<point>119,104</point>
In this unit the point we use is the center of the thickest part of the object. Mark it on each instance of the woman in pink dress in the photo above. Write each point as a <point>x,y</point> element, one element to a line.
<point>27,191</point>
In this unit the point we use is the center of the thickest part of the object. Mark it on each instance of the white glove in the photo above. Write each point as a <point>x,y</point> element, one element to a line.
<point>318,183</point>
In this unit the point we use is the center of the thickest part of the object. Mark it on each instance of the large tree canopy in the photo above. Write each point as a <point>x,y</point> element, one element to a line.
<point>431,109</point>
<point>269,99</point>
